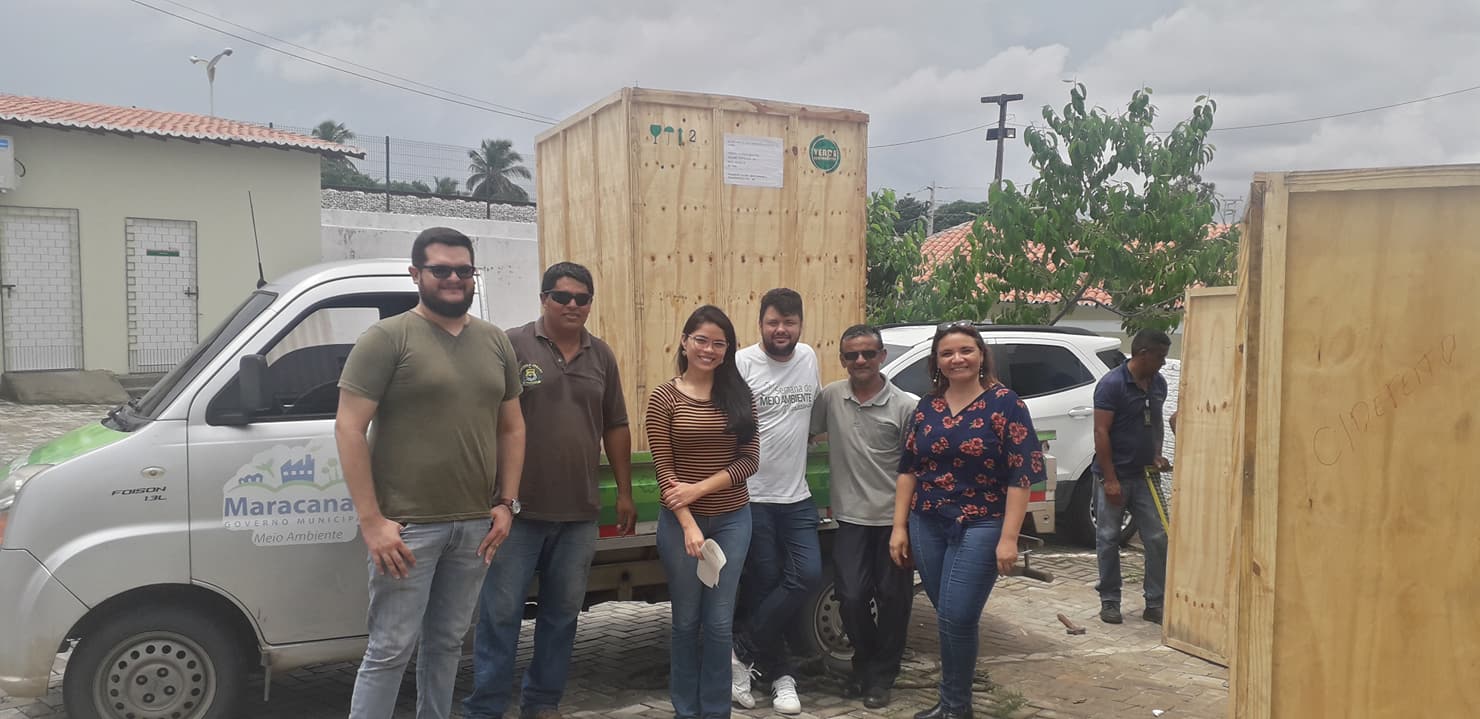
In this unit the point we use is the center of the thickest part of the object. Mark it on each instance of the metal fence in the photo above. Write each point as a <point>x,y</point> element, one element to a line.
<point>391,160</point>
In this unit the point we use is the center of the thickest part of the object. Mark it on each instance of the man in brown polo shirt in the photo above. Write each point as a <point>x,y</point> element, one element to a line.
<point>572,404</point>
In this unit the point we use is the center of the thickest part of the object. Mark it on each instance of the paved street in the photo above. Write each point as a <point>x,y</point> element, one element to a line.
<point>621,659</point>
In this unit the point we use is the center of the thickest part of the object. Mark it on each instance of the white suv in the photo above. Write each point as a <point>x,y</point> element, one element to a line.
<point>1054,370</point>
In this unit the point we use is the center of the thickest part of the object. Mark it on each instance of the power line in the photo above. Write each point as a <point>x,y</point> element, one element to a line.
<point>352,63</point>
<point>518,115</point>
<point>1254,126</point>
<point>355,64</point>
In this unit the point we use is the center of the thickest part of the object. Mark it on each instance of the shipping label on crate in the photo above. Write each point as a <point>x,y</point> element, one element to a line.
<point>753,161</point>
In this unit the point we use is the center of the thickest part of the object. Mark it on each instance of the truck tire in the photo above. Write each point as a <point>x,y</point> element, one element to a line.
<point>159,661</point>
<point>1079,524</point>
<point>822,632</point>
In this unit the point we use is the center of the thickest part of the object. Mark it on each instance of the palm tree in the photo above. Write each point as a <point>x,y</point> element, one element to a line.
<point>446,186</point>
<point>333,132</point>
<point>492,166</point>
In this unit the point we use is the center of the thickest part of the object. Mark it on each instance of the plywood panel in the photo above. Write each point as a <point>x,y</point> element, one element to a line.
<point>1363,473</point>
<point>633,187</point>
<point>1200,562</point>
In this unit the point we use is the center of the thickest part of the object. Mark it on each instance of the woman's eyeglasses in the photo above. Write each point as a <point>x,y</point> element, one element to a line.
<point>957,325</point>
<point>442,272</point>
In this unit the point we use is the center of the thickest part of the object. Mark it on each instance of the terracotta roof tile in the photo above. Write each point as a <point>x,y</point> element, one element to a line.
<point>943,244</point>
<point>64,114</point>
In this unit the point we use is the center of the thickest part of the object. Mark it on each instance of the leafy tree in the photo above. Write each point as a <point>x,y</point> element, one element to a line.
<point>1115,206</point>
<point>901,285</point>
<point>332,131</point>
<point>446,186</point>
<point>413,186</point>
<point>339,171</point>
<point>911,211</point>
<point>955,213</point>
<point>493,165</point>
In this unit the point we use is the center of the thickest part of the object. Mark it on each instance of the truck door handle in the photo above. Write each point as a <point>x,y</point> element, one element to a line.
<point>1081,412</point>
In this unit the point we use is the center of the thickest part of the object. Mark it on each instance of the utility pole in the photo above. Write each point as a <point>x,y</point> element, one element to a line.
<point>930,212</point>
<point>1001,132</point>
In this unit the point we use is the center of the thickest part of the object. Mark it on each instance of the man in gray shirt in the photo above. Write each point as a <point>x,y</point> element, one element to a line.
<point>866,418</point>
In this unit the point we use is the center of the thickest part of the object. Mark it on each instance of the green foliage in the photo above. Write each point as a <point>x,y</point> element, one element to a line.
<point>493,165</point>
<point>911,211</point>
<point>340,172</point>
<point>1115,205</point>
<point>446,186</point>
<point>896,288</point>
<point>955,213</point>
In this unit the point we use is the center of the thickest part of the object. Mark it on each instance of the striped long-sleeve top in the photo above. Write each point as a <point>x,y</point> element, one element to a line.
<point>689,443</point>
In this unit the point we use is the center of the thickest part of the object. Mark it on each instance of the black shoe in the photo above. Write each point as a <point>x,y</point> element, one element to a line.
<point>1110,612</point>
<point>853,688</point>
<point>1152,614</point>
<point>940,712</point>
<point>877,698</point>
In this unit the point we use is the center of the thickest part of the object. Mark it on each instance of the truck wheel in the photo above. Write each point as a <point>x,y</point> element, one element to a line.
<point>155,662</point>
<point>822,630</point>
<point>1079,525</point>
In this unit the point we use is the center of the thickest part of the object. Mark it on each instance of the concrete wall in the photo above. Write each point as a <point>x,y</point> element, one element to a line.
<point>108,178</point>
<point>507,254</point>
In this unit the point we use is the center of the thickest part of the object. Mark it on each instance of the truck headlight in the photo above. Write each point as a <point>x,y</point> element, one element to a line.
<point>11,485</point>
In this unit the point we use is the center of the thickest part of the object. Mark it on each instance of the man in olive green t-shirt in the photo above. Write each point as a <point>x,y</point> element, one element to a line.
<point>436,483</point>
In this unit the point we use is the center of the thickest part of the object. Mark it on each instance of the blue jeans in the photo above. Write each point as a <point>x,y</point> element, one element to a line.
<point>1136,497</point>
<point>561,552</point>
<point>784,567</point>
<point>699,669</point>
<point>958,565</point>
<point>432,606</point>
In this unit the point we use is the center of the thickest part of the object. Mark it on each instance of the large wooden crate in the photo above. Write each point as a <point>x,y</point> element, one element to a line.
<point>1359,552</point>
<point>1200,569</point>
<point>675,200</point>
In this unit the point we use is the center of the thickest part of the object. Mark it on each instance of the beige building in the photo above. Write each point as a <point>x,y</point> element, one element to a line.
<point>125,234</point>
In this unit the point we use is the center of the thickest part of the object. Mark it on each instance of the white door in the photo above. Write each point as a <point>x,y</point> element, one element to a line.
<point>161,292</point>
<point>40,291</point>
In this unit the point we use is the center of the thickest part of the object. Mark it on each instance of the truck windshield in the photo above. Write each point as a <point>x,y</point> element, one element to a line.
<point>169,387</point>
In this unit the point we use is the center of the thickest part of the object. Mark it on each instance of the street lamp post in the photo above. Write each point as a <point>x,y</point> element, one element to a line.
<point>211,73</point>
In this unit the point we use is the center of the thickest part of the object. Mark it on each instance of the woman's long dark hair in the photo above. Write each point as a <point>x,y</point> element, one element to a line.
<point>986,377</point>
<point>730,393</point>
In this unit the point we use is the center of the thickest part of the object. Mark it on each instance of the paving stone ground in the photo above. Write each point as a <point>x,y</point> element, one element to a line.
<point>620,665</point>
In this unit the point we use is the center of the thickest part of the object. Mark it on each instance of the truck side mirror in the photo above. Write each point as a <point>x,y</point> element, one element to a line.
<point>256,396</point>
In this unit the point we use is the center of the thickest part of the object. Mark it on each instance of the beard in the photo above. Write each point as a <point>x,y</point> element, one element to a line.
<point>451,310</point>
<point>774,351</point>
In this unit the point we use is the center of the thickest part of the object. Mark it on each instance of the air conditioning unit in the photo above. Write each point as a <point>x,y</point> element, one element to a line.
<point>9,180</point>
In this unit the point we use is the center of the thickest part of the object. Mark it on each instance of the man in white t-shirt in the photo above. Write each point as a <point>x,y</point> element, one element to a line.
<point>785,560</point>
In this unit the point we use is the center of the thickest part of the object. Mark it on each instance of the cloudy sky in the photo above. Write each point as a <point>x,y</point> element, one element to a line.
<point>919,69</point>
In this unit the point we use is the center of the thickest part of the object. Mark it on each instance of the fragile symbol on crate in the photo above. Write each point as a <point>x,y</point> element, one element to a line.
<point>162,253</point>
<point>667,134</point>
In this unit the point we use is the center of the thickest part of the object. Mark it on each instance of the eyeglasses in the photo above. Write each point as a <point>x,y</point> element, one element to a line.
<point>562,297</point>
<point>442,272</point>
<point>866,354</point>
<point>703,342</point>
<point>957,325</point>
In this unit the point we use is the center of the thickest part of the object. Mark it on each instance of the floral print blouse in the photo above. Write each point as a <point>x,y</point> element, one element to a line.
<point>965,463</point>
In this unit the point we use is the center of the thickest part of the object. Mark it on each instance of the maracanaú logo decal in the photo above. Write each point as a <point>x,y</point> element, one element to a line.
<point>291,495</point>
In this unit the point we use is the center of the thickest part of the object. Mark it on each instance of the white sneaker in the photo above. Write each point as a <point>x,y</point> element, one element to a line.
<point>784,697</point>
<point>740,675</point>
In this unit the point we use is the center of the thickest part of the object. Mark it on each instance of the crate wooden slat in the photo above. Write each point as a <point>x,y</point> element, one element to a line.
<point>1359,556</point>
<point>1200,570</point>
<point>662,232</point>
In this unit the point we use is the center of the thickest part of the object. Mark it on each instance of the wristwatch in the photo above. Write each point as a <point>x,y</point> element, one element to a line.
<point>513,505</point>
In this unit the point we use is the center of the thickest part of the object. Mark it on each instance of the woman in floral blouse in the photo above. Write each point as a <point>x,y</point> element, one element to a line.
<point>962,494</point>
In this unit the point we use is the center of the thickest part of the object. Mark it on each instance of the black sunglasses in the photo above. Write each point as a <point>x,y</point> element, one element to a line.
<point>562,297</point>
<point>957,325</point>
<point>442,272</point>
<point>867,354</point>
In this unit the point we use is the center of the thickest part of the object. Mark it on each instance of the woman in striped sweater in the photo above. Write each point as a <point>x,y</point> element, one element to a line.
<point>701,429</point>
